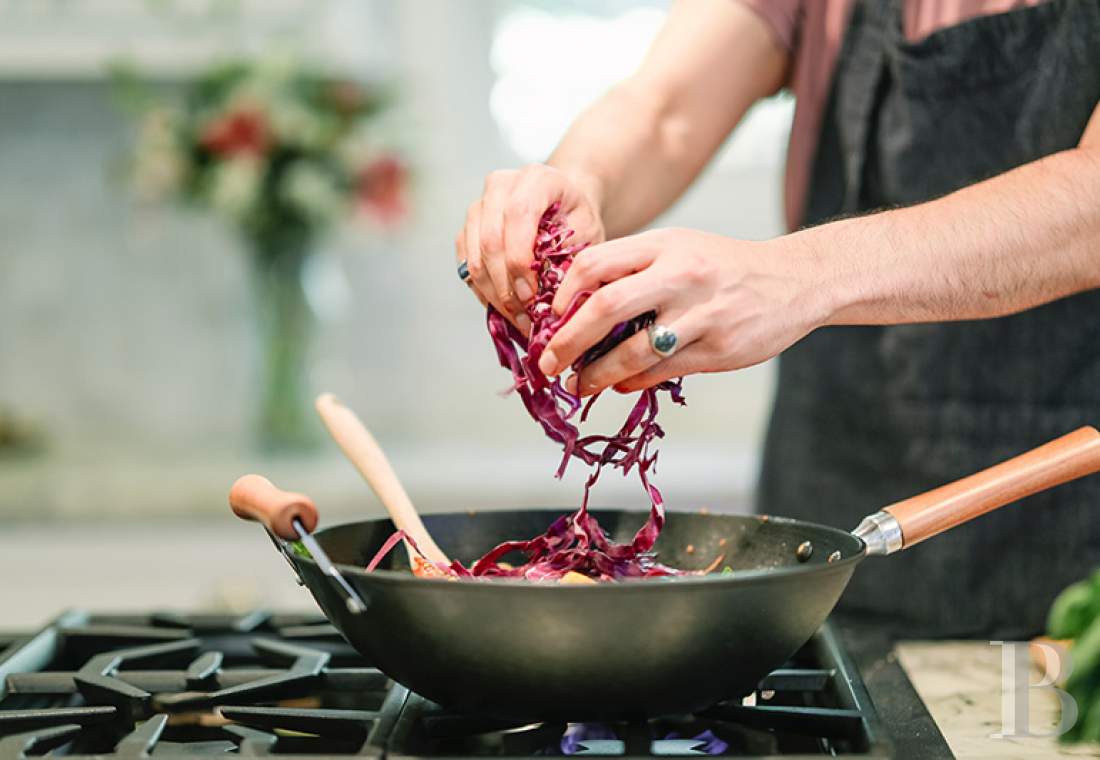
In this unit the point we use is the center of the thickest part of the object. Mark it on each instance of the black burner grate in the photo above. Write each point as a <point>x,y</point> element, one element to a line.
<point>166,685</point>
<point>816,706</point>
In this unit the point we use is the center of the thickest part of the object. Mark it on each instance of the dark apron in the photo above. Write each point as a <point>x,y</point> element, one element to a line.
<point>865,416</point>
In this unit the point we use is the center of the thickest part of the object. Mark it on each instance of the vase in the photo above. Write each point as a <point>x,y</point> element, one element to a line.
<point>285,329</point>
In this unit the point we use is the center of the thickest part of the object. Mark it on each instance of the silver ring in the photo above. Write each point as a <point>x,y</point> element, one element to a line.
<point>662,340</point>
<point>463,271</point>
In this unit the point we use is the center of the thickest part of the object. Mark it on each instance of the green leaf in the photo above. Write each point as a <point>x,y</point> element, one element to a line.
<point>299,549</point>
<point>1087,728</point>
<point>1075,614</point>
<point>1073,610</point>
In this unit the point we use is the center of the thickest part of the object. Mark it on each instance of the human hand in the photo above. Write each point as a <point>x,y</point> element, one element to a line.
<point>497,239</point>
<point>731,303</point>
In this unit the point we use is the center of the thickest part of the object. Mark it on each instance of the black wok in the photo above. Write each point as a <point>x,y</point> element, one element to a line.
<point>636,648</point>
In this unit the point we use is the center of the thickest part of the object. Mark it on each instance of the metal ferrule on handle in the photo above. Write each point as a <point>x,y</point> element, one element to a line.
<point>881,532</point>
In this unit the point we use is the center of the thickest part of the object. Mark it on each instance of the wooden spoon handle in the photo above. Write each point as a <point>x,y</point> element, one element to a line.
<point>363,451</point>
<point>254,497</point>
<point>1070,457</point>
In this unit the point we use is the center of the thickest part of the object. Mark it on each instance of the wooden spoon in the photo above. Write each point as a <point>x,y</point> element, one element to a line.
<point>363,451</point>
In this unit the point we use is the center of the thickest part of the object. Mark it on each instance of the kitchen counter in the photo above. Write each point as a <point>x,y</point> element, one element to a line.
<point>960,683</point>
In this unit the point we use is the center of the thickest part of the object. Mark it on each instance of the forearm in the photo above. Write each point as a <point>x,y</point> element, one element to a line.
<point>640,146</point>
<point>621,149</point>
<point>1010,243</point>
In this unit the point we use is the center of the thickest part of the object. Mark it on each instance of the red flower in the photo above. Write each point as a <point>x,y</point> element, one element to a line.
<point>243,131</point>
<point>380,188</point>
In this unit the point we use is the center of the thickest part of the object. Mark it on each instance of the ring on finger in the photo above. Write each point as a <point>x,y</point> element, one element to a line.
<point>663,340</point>
<point>464,271</point>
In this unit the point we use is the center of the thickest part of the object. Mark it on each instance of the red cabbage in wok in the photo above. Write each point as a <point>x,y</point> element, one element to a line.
<point>574,542</point>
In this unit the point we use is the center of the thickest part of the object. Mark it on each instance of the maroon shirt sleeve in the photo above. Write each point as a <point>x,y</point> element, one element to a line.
<point>781,16</point>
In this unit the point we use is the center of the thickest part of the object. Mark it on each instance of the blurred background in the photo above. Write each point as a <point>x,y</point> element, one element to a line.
<point>212,210</point>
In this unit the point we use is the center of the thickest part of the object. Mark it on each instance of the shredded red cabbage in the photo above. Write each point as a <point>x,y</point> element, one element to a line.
<point>574,542</point>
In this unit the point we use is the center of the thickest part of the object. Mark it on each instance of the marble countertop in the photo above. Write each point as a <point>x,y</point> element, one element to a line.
<point>961,682</point>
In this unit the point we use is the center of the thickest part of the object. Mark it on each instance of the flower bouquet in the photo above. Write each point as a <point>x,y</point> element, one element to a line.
<point>281,151</point>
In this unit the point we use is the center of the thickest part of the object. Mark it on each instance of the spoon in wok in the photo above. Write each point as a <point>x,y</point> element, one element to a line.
<point>363,451</point>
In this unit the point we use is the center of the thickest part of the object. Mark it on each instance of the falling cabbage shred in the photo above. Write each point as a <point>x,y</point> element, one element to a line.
<point>574,542</point>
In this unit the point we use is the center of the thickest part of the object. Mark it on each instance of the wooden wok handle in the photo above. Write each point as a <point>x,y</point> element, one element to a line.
<point>363,451</point>
<point>254,497</point>
<point>1070,457</point>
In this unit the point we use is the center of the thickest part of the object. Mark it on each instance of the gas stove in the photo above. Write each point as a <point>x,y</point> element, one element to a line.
<point>173,686</point>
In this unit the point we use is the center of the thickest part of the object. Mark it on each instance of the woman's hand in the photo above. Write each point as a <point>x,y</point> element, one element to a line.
<point>731,303</point>
<point>497,239</point>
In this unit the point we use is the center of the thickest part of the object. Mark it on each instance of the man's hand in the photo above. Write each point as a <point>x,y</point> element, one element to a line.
<point>731,303</point>
<point>631,153</point>
<point>1009,243</point>
<point>498,237</point>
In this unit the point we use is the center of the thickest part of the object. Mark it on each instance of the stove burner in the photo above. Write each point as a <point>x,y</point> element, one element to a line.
<point>169,685</point>
<point>705,743</point>
<point>582,738</point>
<point>601,739</point>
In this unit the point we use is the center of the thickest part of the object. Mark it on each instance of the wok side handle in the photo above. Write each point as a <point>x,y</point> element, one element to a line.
<point>254,497</point>
<point>917,518</point>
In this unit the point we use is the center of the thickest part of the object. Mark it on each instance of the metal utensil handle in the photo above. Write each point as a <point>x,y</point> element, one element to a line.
<point>354,602</point>
<point>281,547</point>
<point>917,518</point>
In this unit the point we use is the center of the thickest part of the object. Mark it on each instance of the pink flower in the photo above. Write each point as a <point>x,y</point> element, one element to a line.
<point>380,189</point>
<point>239,132</point>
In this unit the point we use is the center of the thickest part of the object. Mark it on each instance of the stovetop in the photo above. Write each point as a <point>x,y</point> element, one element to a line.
<point>172,686</point>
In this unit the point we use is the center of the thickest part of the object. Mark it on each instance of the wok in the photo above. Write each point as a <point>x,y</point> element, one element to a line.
<point>640,648</point>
